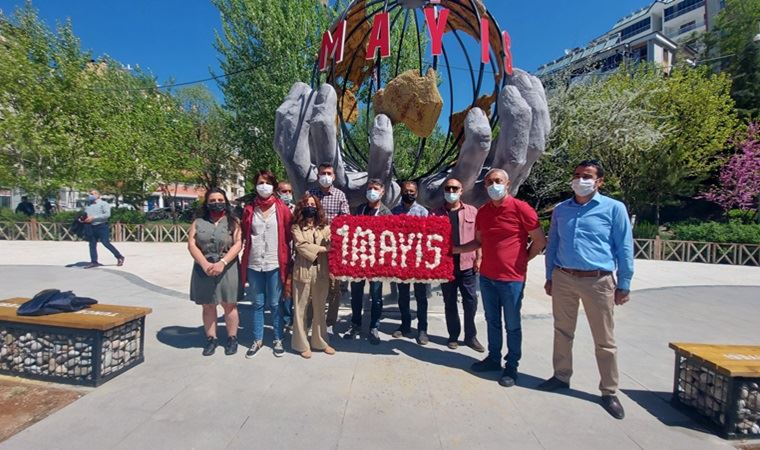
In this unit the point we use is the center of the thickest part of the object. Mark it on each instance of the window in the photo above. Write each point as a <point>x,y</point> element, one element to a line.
<point>682,8</point>
<point>637,28</point>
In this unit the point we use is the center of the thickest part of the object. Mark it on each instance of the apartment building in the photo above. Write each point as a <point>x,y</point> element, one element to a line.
<point>658,33</point>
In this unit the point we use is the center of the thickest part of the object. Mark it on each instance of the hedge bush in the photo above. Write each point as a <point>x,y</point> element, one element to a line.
<point>728,233</point>
<point>645,230</point>
<point>8,215</point>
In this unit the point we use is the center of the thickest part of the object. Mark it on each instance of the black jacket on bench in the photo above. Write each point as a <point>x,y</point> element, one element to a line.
<point>53,301</point>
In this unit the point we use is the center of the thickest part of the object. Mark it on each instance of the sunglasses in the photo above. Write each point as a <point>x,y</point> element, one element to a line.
<point>451,188</point>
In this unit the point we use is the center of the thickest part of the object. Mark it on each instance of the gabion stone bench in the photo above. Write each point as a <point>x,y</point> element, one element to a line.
<point>87,347</point>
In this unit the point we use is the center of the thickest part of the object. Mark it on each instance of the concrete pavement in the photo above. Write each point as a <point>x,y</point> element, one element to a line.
<point>393,395</point>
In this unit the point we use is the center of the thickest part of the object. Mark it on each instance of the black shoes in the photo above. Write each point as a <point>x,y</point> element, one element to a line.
<point>210,347</point>
<point>232,346</point>
<point>612,405</point>
<point>422,338</point>
<point>508,377</point>
<point>120,261</point>
<point>353,333</point>
<point>475,345</point>
<point>254,349</point>
<point>553,384</point>
<point>487,365</point>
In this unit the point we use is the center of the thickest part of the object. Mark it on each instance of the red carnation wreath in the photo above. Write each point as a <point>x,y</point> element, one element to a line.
<point>391,248</point>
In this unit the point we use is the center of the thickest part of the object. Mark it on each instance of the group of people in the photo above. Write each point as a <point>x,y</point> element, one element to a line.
<point>284,267</point>
<point>26,207</point>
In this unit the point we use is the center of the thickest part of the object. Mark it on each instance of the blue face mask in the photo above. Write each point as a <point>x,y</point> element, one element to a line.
<point>91,198</point>
<point>373,195</point>
<point>451,197</point>
<point>497,191</point>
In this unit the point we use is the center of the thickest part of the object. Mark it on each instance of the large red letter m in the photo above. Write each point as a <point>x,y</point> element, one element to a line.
<point>332,46</point>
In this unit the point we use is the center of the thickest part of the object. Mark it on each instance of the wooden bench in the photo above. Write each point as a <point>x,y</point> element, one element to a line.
<point>87,347</point>
<point>720,383</point>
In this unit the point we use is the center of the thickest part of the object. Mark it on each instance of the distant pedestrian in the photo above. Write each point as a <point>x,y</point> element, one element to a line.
<point>98,212</point>
<point>267,258</point>
<point>590,238</point>
<point>47,207</point>
<point>214,241</point>
<point>311,276</point>
<point>25,207</point>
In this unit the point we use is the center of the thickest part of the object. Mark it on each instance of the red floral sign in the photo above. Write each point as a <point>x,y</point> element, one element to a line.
<point>391,248</point>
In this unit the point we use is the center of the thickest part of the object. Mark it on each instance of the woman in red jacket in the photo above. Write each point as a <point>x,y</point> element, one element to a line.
<point>266,258</point>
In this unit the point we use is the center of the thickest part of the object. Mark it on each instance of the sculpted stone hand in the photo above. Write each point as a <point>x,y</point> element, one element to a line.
<point>306,135</point>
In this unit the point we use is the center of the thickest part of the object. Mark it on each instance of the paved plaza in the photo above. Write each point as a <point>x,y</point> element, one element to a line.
<point>395,395</point>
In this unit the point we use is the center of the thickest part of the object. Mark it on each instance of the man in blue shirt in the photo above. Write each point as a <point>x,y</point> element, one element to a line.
<point>410,207</point>
<point>590,238</point>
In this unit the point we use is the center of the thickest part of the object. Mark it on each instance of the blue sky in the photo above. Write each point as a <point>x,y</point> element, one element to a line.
<point>174,38</point>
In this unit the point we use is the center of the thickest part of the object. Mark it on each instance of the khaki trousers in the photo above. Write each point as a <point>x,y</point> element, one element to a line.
<point>598,297</point>
<point>313,293</point>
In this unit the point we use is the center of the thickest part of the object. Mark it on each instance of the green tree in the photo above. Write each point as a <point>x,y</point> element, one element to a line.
<point>733,37</point>
<point>659,136</point>
<point>268,46</point>
<point>40,103</point>
<point>214,157</point>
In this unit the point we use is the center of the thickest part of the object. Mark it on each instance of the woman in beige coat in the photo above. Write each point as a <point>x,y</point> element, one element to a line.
<point>311,275</point>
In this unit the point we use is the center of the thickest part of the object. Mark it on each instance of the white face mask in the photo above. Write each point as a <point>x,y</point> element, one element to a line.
<point>264,190</point>
<point>497,191</point>
<point>583,188</point>
<point>451,197</point>
<point>373,195</point>
<point>326,180</point>
<point>287,198</point>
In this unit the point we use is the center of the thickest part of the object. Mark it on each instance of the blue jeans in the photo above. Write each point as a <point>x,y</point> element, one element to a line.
<point>357,301</point>
<point>503,296</point>
<point>101,233</point>
<point>287,312</point>
<point>265,288</point>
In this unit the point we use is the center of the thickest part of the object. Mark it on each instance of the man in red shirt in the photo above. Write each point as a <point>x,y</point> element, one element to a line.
<point>503,227</point>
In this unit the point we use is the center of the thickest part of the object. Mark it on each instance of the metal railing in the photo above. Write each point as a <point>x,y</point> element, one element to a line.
<point>652,249</point>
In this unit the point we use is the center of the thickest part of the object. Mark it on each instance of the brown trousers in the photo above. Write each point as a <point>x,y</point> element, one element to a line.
<point>598,297</point>
<point>311,293</point>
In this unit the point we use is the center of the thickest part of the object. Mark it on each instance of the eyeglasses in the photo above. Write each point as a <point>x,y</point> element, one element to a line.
<point>451,188</point>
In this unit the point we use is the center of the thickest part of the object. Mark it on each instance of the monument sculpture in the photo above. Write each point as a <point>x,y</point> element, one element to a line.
<point>358,72</point>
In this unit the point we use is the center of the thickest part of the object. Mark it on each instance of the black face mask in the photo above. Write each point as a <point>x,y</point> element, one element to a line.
<point>217,207</point>
<point>310,212</point>
<point>409,198</point>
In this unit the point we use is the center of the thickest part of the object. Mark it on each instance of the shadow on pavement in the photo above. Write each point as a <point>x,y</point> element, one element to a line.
<point>195,337</point>
<point>658,405</point>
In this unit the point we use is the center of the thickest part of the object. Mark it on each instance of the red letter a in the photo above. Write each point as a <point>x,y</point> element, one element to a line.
<point>380,39</point>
